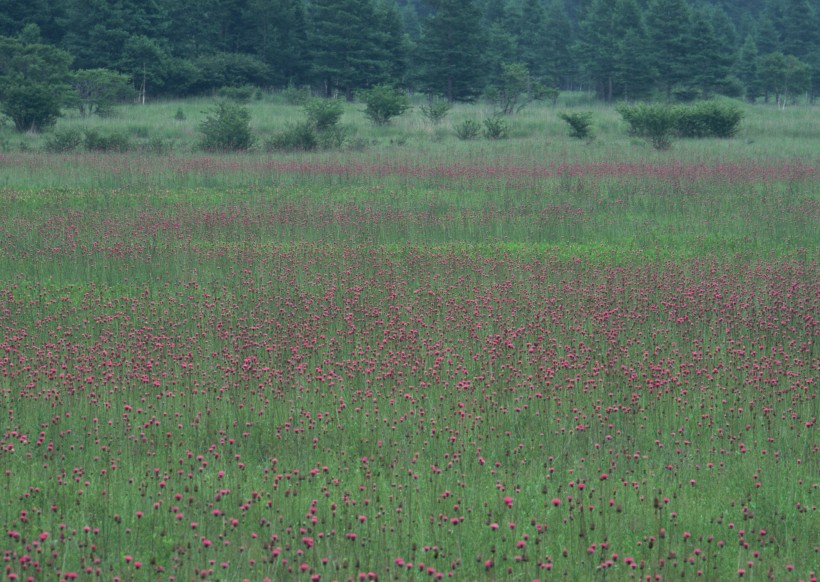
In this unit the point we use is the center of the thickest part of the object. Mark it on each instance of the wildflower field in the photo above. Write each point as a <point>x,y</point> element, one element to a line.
<point>487,365</point>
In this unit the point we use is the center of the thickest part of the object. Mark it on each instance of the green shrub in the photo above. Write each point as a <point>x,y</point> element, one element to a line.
<point>436,110</point>
<point>383,103</point>
<point>580,124</point>
<point>332,138</point>
<point>241,94</point>
<point>708,119</point>
<point>324,114</point>
<point>468,129</point>
<point>64,140</point>
<point>226,128</point>
<point>495,128</point>
<point>300,136</point>
<point>652,121</point>
<point>296,95</point>
<point>114,142</point>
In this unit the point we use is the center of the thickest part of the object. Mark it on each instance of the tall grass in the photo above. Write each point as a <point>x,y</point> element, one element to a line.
<point>528,359</point>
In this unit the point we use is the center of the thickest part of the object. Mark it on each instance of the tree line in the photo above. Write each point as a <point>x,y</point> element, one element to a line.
<point>458,49</point>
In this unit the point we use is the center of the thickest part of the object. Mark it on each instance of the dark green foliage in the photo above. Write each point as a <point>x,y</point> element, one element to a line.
<point>229,70</point>
<point>241,94</point>
<point>746,69</point>
<point>383,103</point>
<point>615,51</point>
<point>301,136</point>
<point>468,129</point>
<point>97,90</point>
<point>513,90</point>
<point>451,50</point>
<point>296,95</point>
<point>64,140</point>
<point>324,114</point>
<point>710,61</point>
<point>580,124</point>
<point>320,129</point>
<point>670,32</point>
<point>113,142</point>
<point>33,83</point>
<point>550,94</point>
<point>708,119</point>
<point>785,76</point>
<point>276,31</point>
<point>32,106</point>
<point>226,128</point>
<point>621,49</point>
<point>660,122</point>
<point>655,122</point>
<point>348,51</point>
<point>435,110</point>
<point>495,127</point>
<point>635,71</point>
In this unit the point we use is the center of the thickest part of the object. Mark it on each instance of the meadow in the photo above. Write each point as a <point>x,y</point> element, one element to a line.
<point>413,359</point>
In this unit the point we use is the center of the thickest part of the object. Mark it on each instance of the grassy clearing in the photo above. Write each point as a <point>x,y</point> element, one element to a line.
<point>530,359</point>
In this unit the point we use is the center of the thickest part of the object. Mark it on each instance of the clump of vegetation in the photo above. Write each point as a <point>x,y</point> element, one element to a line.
<point>227,128</point>
<point>320,129</point>
<point>64,140</point>
<point>383,103</point>
<point>435,110</point>
<point>660,122</point>
<point>240,94</point>
<point>323,114</point>
<point>580,124</point>
<point>708,119</point>
<point>98,90</point>
<point>296,95</point>
<point>655,122</point>
<point>301,136</point>
<point>113,142</point>
<point>496,128</point>
<point>468,129</point>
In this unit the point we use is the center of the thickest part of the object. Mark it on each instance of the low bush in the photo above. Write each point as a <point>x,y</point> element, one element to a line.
<point>113,142</point>
<point>708,119</point>
<point>383,103</point>
<point>468,129</point>
<point>300,136</point>
<point>580,124</point>
<point>324,114</point>
<point>64,140</point>
<point>495,128</point>
<point>226,128</point>
<point>652,121</point>
<point>435,110</point>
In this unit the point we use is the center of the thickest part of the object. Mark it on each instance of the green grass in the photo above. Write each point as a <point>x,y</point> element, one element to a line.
<point>275,349</point>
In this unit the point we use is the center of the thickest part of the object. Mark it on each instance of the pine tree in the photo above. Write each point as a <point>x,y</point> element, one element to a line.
<point>746,68</point>
<point>533,41</point>
<point>451,50</point>
<point>767,37</point>
<point>276,31</point>
<point>558,44</point>
<point>669,27</point>
<point>395,42</point>
<point>595,47</point>
<point>799,24</point>
<point>710,61</point>
<point>346,54</point>
<point>635,72</point>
